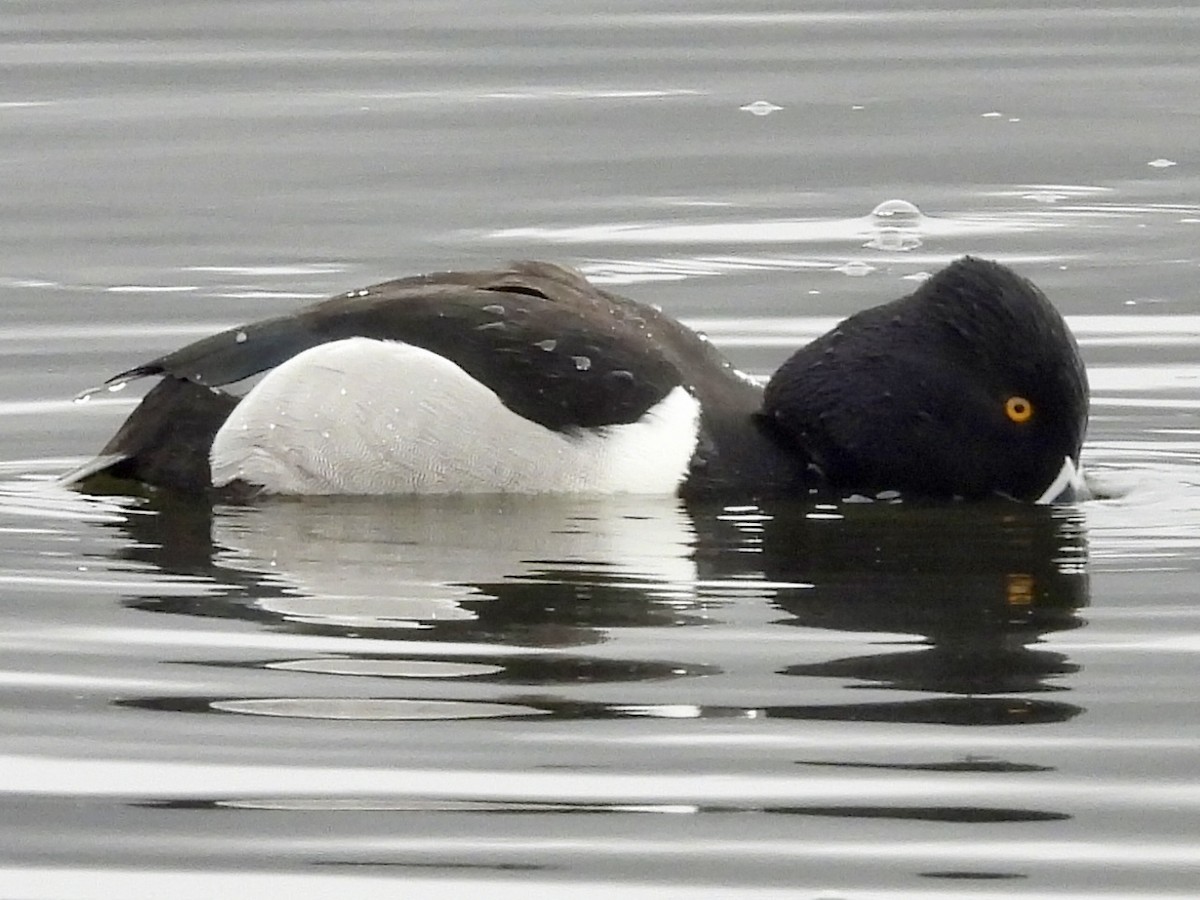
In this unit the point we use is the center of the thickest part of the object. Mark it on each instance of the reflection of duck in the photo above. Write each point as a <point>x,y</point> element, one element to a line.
<point>532,380</point>
<point>492,570</point>
<point>487,581</point>
<point>979,584</point>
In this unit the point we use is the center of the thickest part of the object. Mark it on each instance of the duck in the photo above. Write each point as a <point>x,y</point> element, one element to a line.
<point>530,379</point>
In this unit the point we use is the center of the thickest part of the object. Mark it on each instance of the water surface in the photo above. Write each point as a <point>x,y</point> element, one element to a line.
<point>583,696</point>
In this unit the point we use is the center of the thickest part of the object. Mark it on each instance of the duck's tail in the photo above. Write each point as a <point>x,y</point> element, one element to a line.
<point>165,441</point>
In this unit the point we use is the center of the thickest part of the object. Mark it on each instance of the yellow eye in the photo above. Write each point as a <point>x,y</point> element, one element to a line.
<point>1018,409</point>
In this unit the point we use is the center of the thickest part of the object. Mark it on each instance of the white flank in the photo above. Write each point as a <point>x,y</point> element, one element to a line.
<point>361,416</point>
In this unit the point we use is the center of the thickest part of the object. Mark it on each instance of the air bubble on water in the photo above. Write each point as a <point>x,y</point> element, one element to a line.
<point>240,337</point>
<point>855,269</point>
<point>582,363</point>
<point>896,224</point>
<point>760,108</point>
<point>325,434</point>
<point>896,213</point>
<point>343,392</point>
<point>548,345</point>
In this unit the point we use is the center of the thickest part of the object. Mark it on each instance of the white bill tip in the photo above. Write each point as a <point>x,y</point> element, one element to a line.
<point>1068,485</point>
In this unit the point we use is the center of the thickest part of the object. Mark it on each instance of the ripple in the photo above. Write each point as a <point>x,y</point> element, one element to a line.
<point>47,500</point>
<point>415,805</point>
<point>373,709</point>
<point>83,883</point>
<point>80,639</point>
<point>1146,377</point>
<point>388,668</point>
<point>1131,330</point>
<point>299,269</point>
<point>782,231</point>
<point>535,93</point>
<point>156,779</point>
<point>151,289</point>
<point>56,335</point>
<point>268,295</point>
<point>42,407</point>
<point>640,271</point>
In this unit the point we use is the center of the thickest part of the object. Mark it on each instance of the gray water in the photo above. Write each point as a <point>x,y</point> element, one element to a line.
<point>594,698</point>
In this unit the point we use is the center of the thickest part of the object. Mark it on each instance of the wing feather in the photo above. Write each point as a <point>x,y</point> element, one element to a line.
<point>554,348</point>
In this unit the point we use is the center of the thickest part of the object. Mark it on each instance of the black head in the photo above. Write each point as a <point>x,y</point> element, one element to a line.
<point>970,386</point>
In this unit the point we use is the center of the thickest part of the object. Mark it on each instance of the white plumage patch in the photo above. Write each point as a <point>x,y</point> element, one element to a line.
<point>362,416</point>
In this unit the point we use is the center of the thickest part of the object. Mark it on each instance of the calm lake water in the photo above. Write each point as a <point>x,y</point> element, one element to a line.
<point>594,698</point>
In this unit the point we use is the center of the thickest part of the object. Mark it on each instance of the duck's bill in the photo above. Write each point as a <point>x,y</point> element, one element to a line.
<point>1068,485</point>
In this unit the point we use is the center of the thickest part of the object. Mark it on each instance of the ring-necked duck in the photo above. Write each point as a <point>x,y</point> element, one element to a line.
<point>531,379</point>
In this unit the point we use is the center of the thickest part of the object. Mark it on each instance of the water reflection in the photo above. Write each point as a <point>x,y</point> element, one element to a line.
<point>977,584</point>
<point>511,571</point>
<point>524,604</point>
